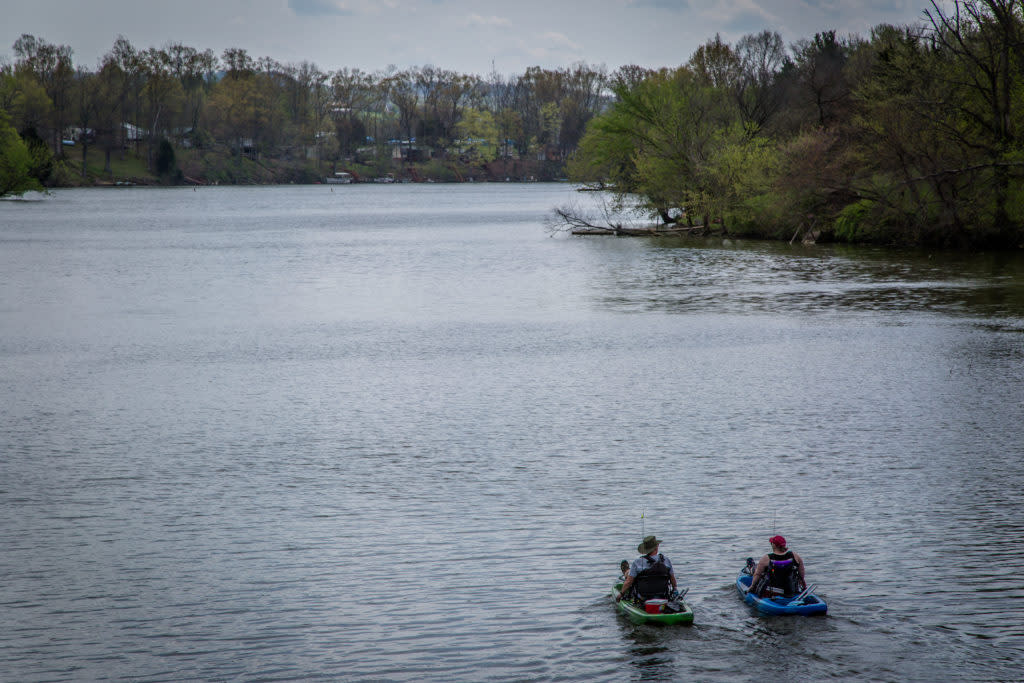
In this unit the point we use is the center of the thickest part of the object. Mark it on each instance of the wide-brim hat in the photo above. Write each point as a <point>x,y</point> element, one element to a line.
<point>648,544</point>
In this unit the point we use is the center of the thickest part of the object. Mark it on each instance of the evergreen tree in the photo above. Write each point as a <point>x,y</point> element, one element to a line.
<point>166,164</point>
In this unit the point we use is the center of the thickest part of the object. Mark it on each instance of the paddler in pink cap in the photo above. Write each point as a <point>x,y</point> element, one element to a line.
<point>781,569</point>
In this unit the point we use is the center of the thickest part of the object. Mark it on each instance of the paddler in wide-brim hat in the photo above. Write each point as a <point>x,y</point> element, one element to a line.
<point>647,571</point>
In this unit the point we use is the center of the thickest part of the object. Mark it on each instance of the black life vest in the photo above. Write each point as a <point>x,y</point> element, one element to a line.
<point>783,572</point>
<point>653,582</point>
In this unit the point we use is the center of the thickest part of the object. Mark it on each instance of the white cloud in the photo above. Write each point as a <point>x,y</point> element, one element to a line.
<point>477,21</point>
<point>560,41</point>
<point>552,47</point>
<point>726,12</point>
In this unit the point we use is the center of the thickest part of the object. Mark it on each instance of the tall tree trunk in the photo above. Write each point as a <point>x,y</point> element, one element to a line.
<point>1000,217</point>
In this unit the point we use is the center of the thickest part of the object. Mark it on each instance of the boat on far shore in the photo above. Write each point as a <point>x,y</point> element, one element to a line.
<point>339,178</point>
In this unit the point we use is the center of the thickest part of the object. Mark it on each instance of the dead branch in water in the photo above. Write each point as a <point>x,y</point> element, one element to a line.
<point>569,219</point>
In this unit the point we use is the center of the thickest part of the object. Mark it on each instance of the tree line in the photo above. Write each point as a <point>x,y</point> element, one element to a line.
<point>138,99</point>
<point>911,135</point>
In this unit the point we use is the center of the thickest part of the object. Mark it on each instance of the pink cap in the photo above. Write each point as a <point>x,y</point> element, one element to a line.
<point>778,540</point>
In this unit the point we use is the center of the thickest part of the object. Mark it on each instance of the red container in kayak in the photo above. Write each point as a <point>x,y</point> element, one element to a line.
<point>656,606</point>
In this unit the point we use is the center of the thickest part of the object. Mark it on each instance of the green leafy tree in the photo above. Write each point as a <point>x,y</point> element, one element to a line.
<point>124,77</point>
<point>43,164</point>
<point>53,68</point>
<point>736,177</point>
<point>479,135</point>
<point>658,139</point>
<point>936,130</point>
<point>403,93</point>
<point>24,99</point>
<point>163,99</point>
<point>983,43</point>
<point>15,161</point>
<point>88,101</point>
<point>194,70</point>
<point>895,137</point>
<point>245,110</point>
<point>499,98</point>
<point>109,98</point>
<point>353,94</point>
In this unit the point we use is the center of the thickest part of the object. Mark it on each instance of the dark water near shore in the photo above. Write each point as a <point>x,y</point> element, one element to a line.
<point>402,433</point>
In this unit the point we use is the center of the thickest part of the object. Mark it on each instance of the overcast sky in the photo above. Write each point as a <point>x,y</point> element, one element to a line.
<point>462,35</point>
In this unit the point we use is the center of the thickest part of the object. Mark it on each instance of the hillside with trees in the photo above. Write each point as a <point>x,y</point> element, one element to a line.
<point>909,135</point>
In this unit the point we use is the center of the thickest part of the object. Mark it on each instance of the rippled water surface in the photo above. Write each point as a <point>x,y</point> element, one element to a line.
<point>403,433</point>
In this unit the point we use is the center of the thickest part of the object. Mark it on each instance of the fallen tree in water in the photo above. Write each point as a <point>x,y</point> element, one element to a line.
<point>573,221</point>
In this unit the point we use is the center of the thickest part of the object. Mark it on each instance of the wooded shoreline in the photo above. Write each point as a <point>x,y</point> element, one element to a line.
<point>909,135</point>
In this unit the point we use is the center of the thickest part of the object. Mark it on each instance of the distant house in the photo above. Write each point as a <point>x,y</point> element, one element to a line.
<point>248,149</point>
<point>339,178</point>
<point>508,150</point>
<point>314,151</point>
<point>184,136</point>
<point>133,133</point>
<point>76,134</point>
<point>408,150</point>
<point>549,153</point>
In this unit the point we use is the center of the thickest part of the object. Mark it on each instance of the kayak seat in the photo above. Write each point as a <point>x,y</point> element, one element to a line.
<point>652,586</point>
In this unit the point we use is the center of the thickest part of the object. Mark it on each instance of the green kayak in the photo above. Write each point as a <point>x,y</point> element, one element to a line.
<point>636,613</point>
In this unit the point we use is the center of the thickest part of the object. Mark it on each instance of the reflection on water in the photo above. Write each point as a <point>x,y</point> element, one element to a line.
<point>400,433</point>
<point>686,275</point>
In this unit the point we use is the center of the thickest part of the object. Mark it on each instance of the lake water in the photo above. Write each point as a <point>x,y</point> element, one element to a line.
<point>403,433</point>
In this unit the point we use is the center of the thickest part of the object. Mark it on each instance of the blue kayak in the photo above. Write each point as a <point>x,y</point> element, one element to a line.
<point>809,604</point>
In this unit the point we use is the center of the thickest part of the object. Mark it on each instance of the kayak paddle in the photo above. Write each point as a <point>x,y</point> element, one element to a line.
<point>803,594</point>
